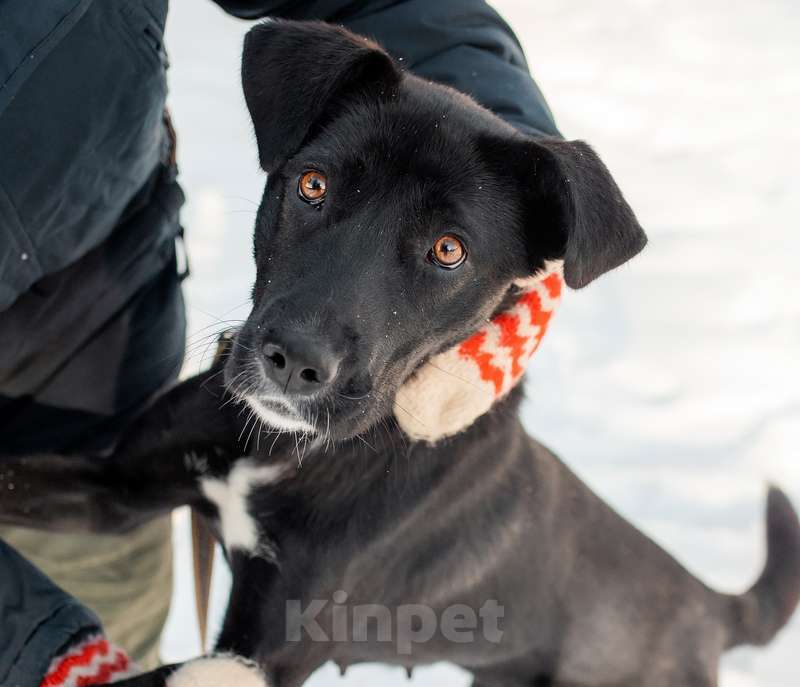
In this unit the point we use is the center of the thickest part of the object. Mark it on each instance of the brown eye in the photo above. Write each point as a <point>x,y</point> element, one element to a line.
<point>448,251</point>
<point>312,186</point>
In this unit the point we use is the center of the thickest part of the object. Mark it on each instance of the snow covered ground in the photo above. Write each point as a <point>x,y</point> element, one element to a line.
<point>673,385</point>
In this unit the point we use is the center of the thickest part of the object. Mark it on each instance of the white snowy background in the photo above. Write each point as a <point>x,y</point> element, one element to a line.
<point>672,386</point>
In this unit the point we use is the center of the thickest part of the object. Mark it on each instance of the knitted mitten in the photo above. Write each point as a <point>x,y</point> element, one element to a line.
<point>95,661</point>
<point>90,661</point>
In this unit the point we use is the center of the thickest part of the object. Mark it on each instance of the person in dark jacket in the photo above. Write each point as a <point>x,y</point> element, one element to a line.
<point>58,642</point>
<point>56,639</point>
<point>92,324</point>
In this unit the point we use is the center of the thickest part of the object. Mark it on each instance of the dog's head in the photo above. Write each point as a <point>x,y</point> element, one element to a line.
<point>396,215</point>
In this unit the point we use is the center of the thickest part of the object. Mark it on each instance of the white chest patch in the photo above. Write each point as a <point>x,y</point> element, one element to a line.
<point>231,497</point>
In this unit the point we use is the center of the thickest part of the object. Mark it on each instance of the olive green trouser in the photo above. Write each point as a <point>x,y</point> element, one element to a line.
<point>126,580</point>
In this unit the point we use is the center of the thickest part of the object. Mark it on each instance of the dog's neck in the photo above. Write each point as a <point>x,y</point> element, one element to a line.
<point>449,392</point>
<point>380,470</point>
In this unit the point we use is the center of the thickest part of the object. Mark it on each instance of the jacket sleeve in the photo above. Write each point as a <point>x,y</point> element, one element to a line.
<point>37,620</point>
<point>461,43</point>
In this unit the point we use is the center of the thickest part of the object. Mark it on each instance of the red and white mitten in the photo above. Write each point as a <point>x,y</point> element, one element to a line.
<point>95,661</point>
<point>92,661</point>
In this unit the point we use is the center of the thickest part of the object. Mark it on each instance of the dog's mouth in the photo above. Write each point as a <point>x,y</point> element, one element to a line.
<point>270,406</point>
<point>278,413</point>
<point>328,413</point>
<point>336,408</point>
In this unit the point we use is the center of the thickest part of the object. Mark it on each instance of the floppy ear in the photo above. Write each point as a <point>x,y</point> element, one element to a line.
<point>573,209</point>
<point>295,73</point>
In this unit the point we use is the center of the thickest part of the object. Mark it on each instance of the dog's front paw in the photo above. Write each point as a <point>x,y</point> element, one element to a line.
<point>218,671</point>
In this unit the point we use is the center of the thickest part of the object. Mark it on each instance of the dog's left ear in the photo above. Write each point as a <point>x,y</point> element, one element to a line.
<point>573,209</point>
<point>297,74</point>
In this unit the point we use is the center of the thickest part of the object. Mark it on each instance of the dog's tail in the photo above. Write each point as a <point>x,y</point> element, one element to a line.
<point>756,616</point>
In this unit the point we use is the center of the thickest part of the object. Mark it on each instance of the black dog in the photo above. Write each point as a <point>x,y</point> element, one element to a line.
<point>368,167</point>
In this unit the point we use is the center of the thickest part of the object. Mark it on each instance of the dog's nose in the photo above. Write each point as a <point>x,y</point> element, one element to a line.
<point>300,366</point>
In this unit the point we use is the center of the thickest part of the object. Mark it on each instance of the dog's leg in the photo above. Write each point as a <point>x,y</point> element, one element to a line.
<point>207,671</point>
<point>511,678</point>
<point>249,626</point>
<point>154,469</point>
<point>256,623</point>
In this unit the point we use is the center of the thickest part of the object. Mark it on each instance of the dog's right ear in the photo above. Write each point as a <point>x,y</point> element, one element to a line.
<point>573,209</point>
<point>295,73</point>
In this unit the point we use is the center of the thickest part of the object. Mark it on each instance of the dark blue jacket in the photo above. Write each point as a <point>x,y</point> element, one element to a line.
<point>37,620</point>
